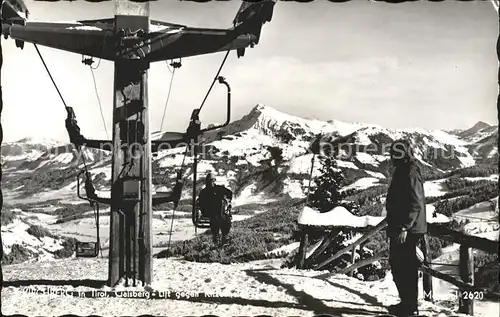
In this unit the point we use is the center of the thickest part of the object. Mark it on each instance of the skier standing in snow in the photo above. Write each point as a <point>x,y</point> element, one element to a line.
<point>214,202</point>
<point>407,223</point>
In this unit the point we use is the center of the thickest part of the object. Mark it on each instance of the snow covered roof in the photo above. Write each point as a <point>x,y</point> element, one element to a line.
<point>341,217</point>
<point>337,217</point>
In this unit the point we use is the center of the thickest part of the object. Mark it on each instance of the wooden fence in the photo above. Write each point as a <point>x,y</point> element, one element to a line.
<point>467,291</point>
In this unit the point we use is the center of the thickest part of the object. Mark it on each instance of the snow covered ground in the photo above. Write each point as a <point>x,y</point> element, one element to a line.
<point>483,221</point>
<point>248,196</point>
<point>254,288</point>
<point>363,183</point>
<point>434,188</point>
<point>187,289</point>
<point>15,233</point>
<point>493,177</point>
<point>443,291</point>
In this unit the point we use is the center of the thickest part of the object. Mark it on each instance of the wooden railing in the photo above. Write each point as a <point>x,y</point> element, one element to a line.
<point>467,291</point>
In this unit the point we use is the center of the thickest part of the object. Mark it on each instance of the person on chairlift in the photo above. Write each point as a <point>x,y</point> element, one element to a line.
<point>214,202</point>
<point>406,225</point>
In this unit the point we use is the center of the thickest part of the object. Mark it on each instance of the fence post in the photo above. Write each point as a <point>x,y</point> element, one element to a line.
<point>302,249</point>
<point>362,245</point>
<point>328,238</point>
<point>426,279</point>
<point>466,302</point>
<point>353,260</point>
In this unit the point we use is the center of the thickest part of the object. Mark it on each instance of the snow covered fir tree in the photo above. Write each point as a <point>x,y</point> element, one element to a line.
<point>327,194</point>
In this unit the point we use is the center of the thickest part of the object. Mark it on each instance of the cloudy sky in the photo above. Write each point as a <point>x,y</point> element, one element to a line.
<point>428,65</point>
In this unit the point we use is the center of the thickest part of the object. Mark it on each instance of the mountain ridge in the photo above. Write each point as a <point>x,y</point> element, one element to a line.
<point>259,113</point>
<point>262,143</point>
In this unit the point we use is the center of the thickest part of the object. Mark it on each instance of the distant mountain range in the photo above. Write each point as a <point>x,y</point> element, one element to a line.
<point>265,152</point>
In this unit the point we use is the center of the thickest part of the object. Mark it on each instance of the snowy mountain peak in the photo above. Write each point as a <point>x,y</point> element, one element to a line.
<point>260,107</point>
<point>284,126</point>
<point>481,125</point>
<point>38,141</point>
<point>477,128</point>
<point>261,110</point>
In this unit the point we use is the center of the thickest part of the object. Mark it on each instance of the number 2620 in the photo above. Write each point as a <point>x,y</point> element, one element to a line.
<point>470,295</point>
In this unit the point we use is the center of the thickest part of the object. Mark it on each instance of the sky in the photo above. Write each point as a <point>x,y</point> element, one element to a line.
<point>410,65</point>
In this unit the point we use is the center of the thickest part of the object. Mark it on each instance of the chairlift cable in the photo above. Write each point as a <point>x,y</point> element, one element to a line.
<point>99,99</point>
<point>96,217</point>
<point>57,89</point>
<point>50,75</point>
<point>179,176</point>
<point>168,67</point>
<point>171,228</point>
<point>310,179</point>
<point>94,204</point>
<point>215,79</point>
<point>311,172</point>
<point>168,97</point>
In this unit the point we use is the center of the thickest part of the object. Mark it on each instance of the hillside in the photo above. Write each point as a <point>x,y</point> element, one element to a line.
<point>265,152</point>
<point>264,158</point>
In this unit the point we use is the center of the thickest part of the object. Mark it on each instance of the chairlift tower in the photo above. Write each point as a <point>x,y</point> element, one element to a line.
<point>129,41</point>
<point>130,235</point>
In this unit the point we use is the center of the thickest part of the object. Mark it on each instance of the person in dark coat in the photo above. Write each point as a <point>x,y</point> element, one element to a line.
<point>407,223</point>
<point>214,202</point>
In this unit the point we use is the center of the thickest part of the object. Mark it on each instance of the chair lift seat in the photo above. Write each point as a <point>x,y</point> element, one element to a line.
<point>87,249</point>
<point>161,198</point>
<point>170,136</point>
<point>171,196</point>
<point>202,222</point>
